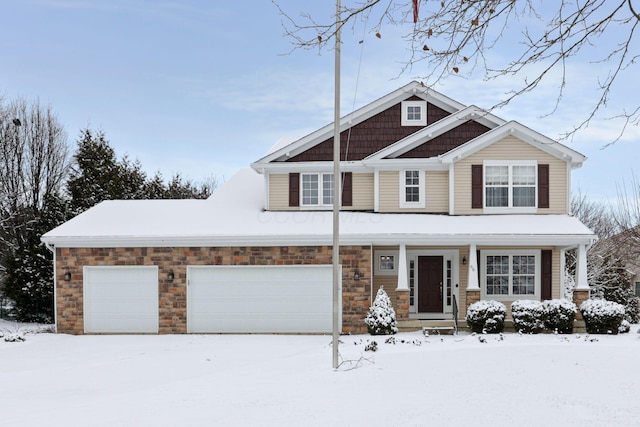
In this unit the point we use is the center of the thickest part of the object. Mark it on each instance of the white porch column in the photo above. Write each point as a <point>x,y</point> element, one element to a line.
<point>472,280</point>
<point>403,276</point>
<point>581,268</point>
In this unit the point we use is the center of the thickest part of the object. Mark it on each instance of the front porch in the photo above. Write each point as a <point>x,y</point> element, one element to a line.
<point>433,283</point>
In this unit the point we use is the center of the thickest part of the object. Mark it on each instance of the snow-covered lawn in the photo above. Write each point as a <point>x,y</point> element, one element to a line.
<point>278,380</point>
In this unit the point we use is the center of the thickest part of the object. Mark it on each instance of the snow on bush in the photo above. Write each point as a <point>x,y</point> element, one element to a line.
<point>486,316</point>
<point>624,327</point>
<point>602,316</point>
<point>528,316</point>
<point>381,319</point>
<point>561,313</point>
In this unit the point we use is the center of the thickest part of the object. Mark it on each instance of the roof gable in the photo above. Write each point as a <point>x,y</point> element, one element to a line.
<point>325,134</point>
<point>521,132</point>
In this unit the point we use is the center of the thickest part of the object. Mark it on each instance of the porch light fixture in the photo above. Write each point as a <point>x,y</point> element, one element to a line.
<point>464,260</point>
<point>170,276</point>
<point>67,276</point>
<point>356,275</point>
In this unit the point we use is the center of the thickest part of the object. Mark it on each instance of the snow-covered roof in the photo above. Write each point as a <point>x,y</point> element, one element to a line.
<point>234,215</point>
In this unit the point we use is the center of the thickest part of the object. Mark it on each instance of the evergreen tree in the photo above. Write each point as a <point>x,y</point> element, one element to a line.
<point>381,319</point>
<point>28,277</point>
<point>614,284</point>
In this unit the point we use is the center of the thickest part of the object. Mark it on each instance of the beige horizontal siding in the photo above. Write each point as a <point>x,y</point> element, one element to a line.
<point>511,148</point>
<point>436,192</point>
<point>279,192</point>
<point>362,189</point>
<point>388,187</point>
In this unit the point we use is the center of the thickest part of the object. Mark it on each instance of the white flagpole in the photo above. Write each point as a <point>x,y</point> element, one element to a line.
<point>336,195</point>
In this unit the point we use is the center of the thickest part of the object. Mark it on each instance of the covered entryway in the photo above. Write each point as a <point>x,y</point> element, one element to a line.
<point>120,299</point>
<point>260,299</point>
<point>430,284</point>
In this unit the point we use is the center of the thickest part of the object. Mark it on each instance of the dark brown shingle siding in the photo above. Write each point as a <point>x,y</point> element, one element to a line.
<point>370,136</point>
<point>447,141</point>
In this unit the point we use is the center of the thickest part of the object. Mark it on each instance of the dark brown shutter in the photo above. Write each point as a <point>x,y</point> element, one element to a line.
<point>347,189</point>
<point>543,186</point>
<point>478,260</point>
<point>294,189</point>
<point>545,279</point>
<point>476,186</point>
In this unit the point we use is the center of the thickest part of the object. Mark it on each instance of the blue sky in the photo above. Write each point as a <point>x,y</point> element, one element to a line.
<point>204,88</point>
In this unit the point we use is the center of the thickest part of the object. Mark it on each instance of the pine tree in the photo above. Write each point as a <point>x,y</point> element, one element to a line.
<point>381,319</point>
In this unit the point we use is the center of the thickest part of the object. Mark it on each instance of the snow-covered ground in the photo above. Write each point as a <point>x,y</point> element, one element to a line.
<point>278,380</point>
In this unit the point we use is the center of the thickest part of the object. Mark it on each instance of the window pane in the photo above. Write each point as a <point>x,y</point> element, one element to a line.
<point>497,285</point>
<point>412,194</point>
<point>497,275</point>
<point>524,175</point>
<point>523,285</point>
<point>327,189</point>
<point>412,177</point>
<point>497,196</point>
<point>386,262</point>
<point>414,113</point>
<point>497,175</point>
<point>524,196</point>
<point>310,189</point>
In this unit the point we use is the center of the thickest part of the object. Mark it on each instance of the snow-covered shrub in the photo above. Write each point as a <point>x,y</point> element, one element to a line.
<point>561,313</point>
<point>486,316</point>
<point>624,327</point>
<point>602,316</point>
<point>381,319</point>
<point>528,316</point>
<point>15,337</point>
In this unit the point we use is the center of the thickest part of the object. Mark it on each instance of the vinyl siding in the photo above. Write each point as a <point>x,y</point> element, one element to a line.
<point>436,192</point>
<point>362,188</point>
<point>279,192</point>
<point>511,148</point>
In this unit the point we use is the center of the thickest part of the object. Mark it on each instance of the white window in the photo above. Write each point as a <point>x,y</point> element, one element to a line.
<point>317,189</point>
<point>511,185</point>
<point>509,275</point>
<point>412,189</point>
<point>414,113</point>
<point>386,263</point>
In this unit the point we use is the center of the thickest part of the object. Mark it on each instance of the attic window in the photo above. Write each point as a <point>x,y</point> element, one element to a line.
<point>414,113</point>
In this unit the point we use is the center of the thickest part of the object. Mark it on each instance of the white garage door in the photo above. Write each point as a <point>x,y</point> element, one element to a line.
<point>260,299</point>
<point>121,299</point>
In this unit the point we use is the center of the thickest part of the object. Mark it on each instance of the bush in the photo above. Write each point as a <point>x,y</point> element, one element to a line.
<point>625,327</point>
<point>602,316</point>
<point>381,319</point>
<point>561,313</point>
<point>486,316</point>
<point>528,316</point>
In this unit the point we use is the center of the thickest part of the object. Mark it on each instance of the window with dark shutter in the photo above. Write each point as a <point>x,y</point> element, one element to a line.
<point>347,189</point>
<point>543,186</point>
<point>476,187</point>
<point>545,279</point>
<point>294,189</point>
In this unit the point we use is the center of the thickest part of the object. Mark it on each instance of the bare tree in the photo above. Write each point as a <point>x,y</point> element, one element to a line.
<point>454,37</point>
<point>34,161</point>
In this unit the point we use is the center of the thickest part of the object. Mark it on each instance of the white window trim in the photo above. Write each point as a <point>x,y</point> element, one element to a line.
<point>509,209</point>
<point>510,296</point>
<point>376,261</point>
<point>423,116</point>
<point>421,189</point>
<point>320,204</point>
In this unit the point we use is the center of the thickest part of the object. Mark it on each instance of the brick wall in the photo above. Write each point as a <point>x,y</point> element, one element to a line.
<point>173,296</point>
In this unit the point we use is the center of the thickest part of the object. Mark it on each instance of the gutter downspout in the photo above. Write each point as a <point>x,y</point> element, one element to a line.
<point>52,248</point>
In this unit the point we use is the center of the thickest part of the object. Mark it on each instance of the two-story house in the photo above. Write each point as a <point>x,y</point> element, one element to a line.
<point>442,204</point>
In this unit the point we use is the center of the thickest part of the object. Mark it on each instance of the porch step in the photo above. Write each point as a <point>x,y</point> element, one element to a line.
<point>432,326</point>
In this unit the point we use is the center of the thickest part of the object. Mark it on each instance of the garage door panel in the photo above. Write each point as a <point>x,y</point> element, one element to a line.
<point>260,299</point>
<point>120,299</point>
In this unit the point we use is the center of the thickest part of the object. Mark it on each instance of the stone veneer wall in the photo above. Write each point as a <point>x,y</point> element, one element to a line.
<point>356,295</point>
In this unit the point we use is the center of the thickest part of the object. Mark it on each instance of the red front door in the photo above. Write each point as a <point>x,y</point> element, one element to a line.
<point>430,284</point>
